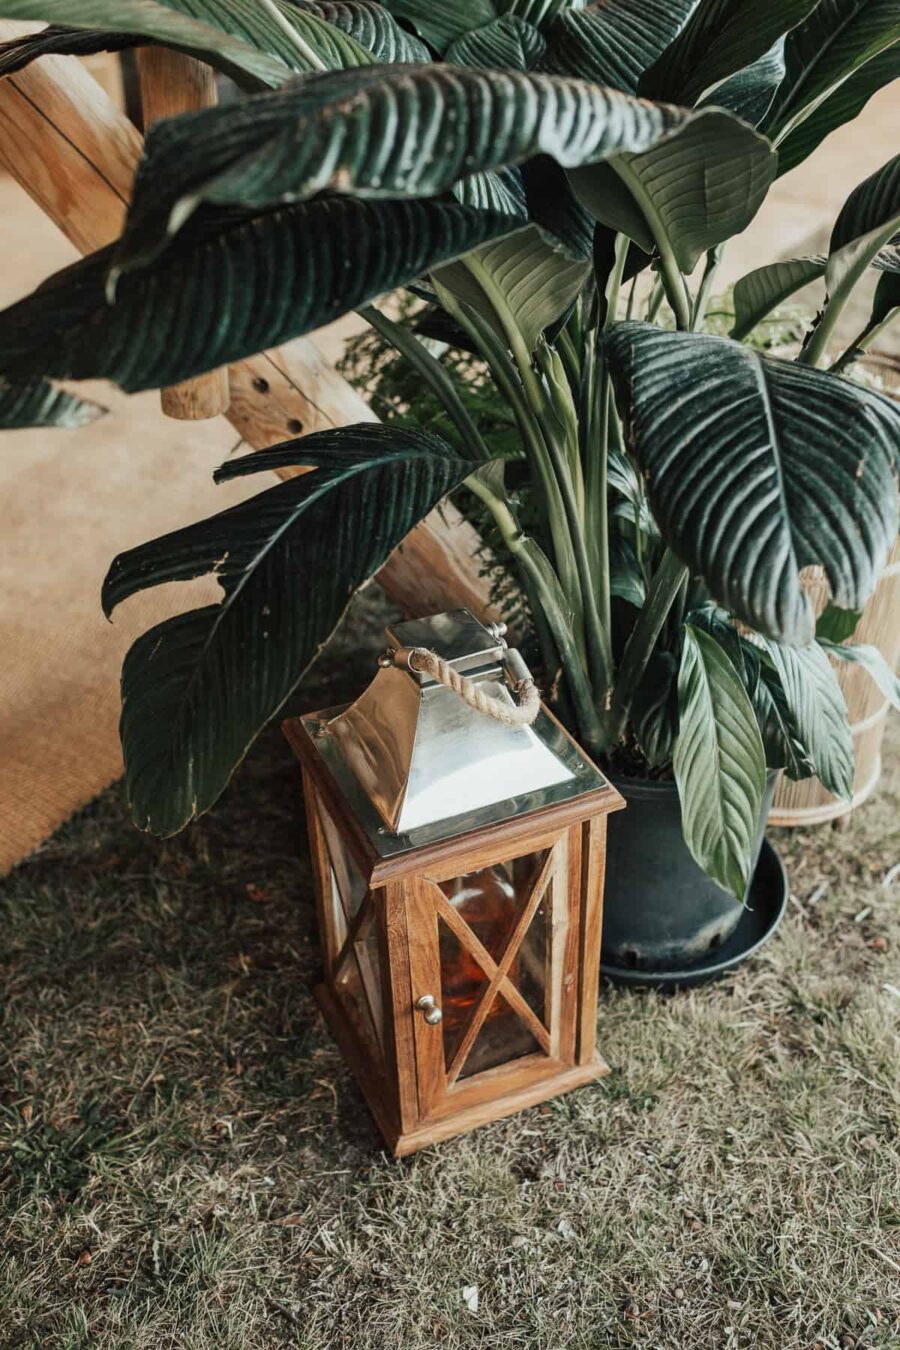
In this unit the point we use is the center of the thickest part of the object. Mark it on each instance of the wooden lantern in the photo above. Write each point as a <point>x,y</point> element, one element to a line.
<point>461,951</point>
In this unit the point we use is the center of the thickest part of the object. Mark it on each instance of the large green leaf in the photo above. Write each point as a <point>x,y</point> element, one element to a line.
<point>838,108</point>
<point>35,403</point>
<point>232,285</point>
<point>756,468</point>
<point>720,38</point>
<point>214,30</point>
<point>615,41</point>
<point>377,131</point>
<point>654,709</point>
<point>508,43</point>
<point>58,41</point>
<point>867,222</point>
<point>719,763</point>
<point>761,290</point>
<point>815,712</point>
<point>873,661</point>
<point>440,23</point>
<point>835,624</point>
<point>369,24</point>
<point>198,688</point>
<point>363,21</point>
<point>749,92</point>
<point>696,187</point>
<point>520,284</point>
<point>833,43</point>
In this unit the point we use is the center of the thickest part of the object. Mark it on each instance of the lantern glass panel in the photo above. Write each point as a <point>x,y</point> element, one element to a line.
<point>358,978</point>
<point>348,887</point>
<point>358,982</point>
<point>503,1037</point>
<point>491,901</point>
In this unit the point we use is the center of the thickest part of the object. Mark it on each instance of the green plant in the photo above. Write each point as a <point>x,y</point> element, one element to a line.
<point>524,163</point>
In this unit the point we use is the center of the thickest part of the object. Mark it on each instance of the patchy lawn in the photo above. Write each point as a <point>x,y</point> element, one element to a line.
<point>185,1162</point>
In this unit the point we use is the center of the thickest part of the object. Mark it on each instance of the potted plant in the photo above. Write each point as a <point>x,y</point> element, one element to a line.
<point>526,167</point>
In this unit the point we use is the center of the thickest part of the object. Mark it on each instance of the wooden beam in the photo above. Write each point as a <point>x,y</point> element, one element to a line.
<point>75,154</point>
<point>172,83</point>
<point>67,144</point>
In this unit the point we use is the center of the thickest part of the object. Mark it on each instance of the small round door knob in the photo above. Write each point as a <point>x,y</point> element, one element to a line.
<point>427,1005</point>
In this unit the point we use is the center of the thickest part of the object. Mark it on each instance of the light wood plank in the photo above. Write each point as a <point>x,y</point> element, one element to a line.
<point>400,1005</point>
<point>593,873</point>
<point>173,83</point>
<point>425,978</point>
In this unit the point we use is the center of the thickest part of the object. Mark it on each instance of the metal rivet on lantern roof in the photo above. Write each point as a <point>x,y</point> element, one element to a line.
<point>410,752</point>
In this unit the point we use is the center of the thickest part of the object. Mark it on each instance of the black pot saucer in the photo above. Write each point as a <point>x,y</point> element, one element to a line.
<point>763,913</point>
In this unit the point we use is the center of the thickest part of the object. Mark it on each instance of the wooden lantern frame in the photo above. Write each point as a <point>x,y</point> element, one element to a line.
<point>415,1095</point>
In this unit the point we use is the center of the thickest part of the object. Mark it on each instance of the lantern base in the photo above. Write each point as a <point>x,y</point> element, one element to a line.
<point>530,1089</point>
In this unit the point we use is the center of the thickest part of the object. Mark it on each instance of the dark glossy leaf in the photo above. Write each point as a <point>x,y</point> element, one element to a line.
<point>369,24</point>
<point>502,193</point>
<point>718,623</point>
<point>720,38</point>
<point>59,41</point>
<point>778,730</point>
<point>838,108</point>
<point>749,92</point>
<point>836,625</point>
<point>699,186</point>
<point>719,763</point>
<point>232,285</point>
<point>36,403</point>
<point>654,709</point>
<point>815,712</point>
<point>867,221</point>
<point>508,43</point>
<point>197,689</point>
<point>762,290</point>
<point>835,40</point>
<point>887,296</point>
<point>517,283</point>
<point>756,468</point>
<point>349,132</point>
<point>555,209</point>
<point>439,24</point>
<point>873,661</point>
<point>625,578</point>
<point>615,41</point>
<point>214,30</point>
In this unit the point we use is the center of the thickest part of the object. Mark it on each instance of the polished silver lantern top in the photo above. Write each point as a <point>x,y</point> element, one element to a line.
<point>431,765</point>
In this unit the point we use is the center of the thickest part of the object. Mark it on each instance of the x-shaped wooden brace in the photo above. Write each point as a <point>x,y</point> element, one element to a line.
<point>496,971</point>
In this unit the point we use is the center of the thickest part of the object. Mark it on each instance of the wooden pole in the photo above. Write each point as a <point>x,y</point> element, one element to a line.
<point>172,83</point>
<point>75,154</point>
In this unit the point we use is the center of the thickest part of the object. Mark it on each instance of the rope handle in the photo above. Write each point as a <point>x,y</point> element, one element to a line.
<point>521,714</point>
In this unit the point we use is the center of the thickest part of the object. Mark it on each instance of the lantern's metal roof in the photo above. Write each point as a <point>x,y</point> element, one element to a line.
<point>417,765</point>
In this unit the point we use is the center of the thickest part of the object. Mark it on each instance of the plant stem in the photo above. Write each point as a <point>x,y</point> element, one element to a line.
<point>863,341</point>
<point>434,375</point>
<point>654,303</point>
<point>512,332</point>
<point>552,604</point>
<point>711,267</point>
<point>664,587</point>
<point>498,361</point>
<point>675,285</point>
<point>297,40</point>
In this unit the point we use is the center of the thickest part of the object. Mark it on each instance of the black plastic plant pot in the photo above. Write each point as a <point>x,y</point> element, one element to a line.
<point>661,913</point>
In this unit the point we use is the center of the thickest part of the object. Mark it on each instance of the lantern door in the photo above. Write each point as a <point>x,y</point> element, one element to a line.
<point>494,945</point>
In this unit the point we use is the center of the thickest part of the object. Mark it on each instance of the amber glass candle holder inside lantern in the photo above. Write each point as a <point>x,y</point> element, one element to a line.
<point>458,866</point>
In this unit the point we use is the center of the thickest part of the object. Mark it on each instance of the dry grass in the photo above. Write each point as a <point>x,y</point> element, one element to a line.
<point>185,1162</point>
